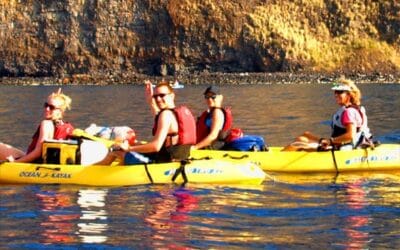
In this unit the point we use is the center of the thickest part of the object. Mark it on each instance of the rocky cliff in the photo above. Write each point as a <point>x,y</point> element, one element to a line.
<point>172,37</point>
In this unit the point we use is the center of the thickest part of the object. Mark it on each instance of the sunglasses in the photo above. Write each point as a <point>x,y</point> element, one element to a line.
<point>210,96</point>
<point>162,95</point>
<point>50,106</point>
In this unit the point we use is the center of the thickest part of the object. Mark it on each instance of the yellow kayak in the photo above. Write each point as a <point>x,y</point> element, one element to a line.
<point>381,158</point>
<point>196,171</point>
<point>73,162</point>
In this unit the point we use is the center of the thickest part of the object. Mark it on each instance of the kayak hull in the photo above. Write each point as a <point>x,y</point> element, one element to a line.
<point>197,171</point>
<point>382,158</point>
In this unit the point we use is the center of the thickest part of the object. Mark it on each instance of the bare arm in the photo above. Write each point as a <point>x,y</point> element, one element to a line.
<point>46,132</point>
<point>216,126</point>
<point>164,125</point>
<point>149,97</point>
<point>347,137</point>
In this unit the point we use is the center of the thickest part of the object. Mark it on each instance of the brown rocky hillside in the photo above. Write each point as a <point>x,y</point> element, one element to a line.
<point>171,37</point>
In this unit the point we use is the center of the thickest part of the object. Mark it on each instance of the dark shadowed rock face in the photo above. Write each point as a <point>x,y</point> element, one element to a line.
<point>77,38</point>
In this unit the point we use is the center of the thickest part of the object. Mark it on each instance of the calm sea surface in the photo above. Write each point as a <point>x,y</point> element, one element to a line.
<point>358,211</point>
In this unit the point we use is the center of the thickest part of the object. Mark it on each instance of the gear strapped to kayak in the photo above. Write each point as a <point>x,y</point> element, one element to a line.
<point>181,171</point>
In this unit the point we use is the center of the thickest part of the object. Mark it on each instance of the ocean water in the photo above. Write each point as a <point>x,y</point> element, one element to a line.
<point>314,211</point>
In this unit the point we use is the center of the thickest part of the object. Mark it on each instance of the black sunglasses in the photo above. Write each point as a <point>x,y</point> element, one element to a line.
<point>339,92</point>
<point>162,95</point>
<point>50,106</point>
<point>210,96</point>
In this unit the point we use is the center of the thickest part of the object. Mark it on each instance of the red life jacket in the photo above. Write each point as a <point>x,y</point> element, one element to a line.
<point>62,131</point>
<point>186,125</point>
<point>203,129</point>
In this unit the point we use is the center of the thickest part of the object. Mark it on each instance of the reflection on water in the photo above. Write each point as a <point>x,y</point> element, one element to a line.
<point>93,217</point>
<point>55,208</point>
<point>346,211</point>
<point>357,237</point>
<point>63,222</point>
<point>167,216</point>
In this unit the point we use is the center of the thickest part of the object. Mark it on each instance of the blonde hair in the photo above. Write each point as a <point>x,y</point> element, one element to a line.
<point>355,93</point>
<point>66,100</point>
<point>166,84</point>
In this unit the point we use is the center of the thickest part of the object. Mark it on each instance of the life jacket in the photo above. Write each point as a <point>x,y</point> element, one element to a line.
<point>62,130</point>
<point>186,135</point>
<point>204,123</point>
<point>186,125</point>
<point>362,132</point>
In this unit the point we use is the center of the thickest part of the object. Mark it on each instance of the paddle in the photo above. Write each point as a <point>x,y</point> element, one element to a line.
<point>109,143</point>
<point>92,152</point>
<point>81,133</point>
<point>94,149</point>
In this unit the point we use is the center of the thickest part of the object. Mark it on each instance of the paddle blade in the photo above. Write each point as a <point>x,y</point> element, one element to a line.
<point>92,152</point>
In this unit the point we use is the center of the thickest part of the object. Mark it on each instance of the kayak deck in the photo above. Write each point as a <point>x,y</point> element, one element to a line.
<point>382,158</point>
<point>196,171</point>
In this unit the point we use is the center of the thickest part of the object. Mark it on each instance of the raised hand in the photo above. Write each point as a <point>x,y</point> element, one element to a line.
<point>148,91</point>
<point>149,97</point>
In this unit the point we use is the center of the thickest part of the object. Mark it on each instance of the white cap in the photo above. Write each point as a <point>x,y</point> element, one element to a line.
<point>341,86</point>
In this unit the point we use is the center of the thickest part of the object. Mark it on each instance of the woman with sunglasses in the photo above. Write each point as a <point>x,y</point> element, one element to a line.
<point>173,131</point>
<point>51,127</point>
<point>349,123</point>
<point>215,123</point>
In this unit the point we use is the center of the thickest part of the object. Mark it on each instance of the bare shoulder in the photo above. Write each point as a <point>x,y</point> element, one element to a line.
<point>167,115</point>
<point>218,113</point>
<point>47,124</point>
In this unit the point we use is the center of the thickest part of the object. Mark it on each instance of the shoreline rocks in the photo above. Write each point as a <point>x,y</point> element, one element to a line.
<point>201,78</point>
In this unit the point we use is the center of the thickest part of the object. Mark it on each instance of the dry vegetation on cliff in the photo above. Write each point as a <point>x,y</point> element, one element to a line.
<point>339,37</point>
<point>180,37</point>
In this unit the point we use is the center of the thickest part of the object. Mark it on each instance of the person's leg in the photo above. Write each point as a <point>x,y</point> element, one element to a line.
<point>310,137</point>
<point>8,150</point>
<point>111,157</point>
<point>307,141</point>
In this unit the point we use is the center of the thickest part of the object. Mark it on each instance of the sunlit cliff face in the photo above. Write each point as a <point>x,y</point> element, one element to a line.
<point>47,38</point>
